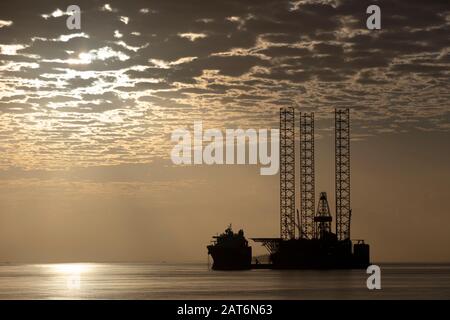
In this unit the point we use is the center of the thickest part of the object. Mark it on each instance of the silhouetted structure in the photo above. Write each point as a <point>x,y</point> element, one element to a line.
<point>342,180</point>
<point>287,173</point>
<point>307,176</point>
<point>316,246</point>
<point>230,251</point>
<point>322,220</point>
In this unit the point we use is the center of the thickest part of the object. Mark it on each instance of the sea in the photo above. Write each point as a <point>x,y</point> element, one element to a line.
<point>197,281</point>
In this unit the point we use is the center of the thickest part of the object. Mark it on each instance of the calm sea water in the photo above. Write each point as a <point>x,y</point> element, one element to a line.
<point>195,281</point>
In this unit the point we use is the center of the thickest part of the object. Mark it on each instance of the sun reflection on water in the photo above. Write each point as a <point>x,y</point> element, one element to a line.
<point>72,273</point>
<point>70,268</point>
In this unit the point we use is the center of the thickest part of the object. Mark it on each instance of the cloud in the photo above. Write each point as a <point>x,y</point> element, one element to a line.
<point>117,34</point>
<point>135,71</point>
<point>107,7</point>
<point>55,14</point>
<point>15,108</point>
<point>124,19</point>
<point>4,23</point>
<point>192,36</point>
<point>64,37</point>
<point>11,49</point>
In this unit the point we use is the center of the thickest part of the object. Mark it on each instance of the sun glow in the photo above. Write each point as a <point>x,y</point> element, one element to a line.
<point>85,58</point>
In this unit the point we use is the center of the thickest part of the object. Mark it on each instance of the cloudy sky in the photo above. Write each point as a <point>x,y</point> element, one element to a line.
<point>86,117</point>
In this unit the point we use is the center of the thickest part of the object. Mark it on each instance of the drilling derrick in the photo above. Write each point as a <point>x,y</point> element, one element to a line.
<point>323,217</point>
<point>342,167</point>
<point>287,173</point>
<point>307,177</point>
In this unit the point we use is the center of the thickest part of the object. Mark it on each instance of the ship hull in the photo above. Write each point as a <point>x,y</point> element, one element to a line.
<point>229,258</point>
<point>317,254</point>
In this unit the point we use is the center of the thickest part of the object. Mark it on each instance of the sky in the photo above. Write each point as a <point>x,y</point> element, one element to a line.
<point>86,118</point>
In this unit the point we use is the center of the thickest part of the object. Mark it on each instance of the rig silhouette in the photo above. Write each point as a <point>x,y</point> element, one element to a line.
<point>306,240</point>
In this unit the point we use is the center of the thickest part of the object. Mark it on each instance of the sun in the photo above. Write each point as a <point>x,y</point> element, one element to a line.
<point>85,58</point>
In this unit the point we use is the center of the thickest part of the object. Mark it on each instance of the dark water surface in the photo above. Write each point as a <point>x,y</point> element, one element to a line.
<point>195,281</point>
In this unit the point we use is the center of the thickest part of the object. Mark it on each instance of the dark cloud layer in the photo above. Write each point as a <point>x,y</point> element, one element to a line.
<point>138,69</point>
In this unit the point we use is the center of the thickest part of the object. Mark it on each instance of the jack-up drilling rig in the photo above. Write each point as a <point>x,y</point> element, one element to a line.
<point>315,246</point>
